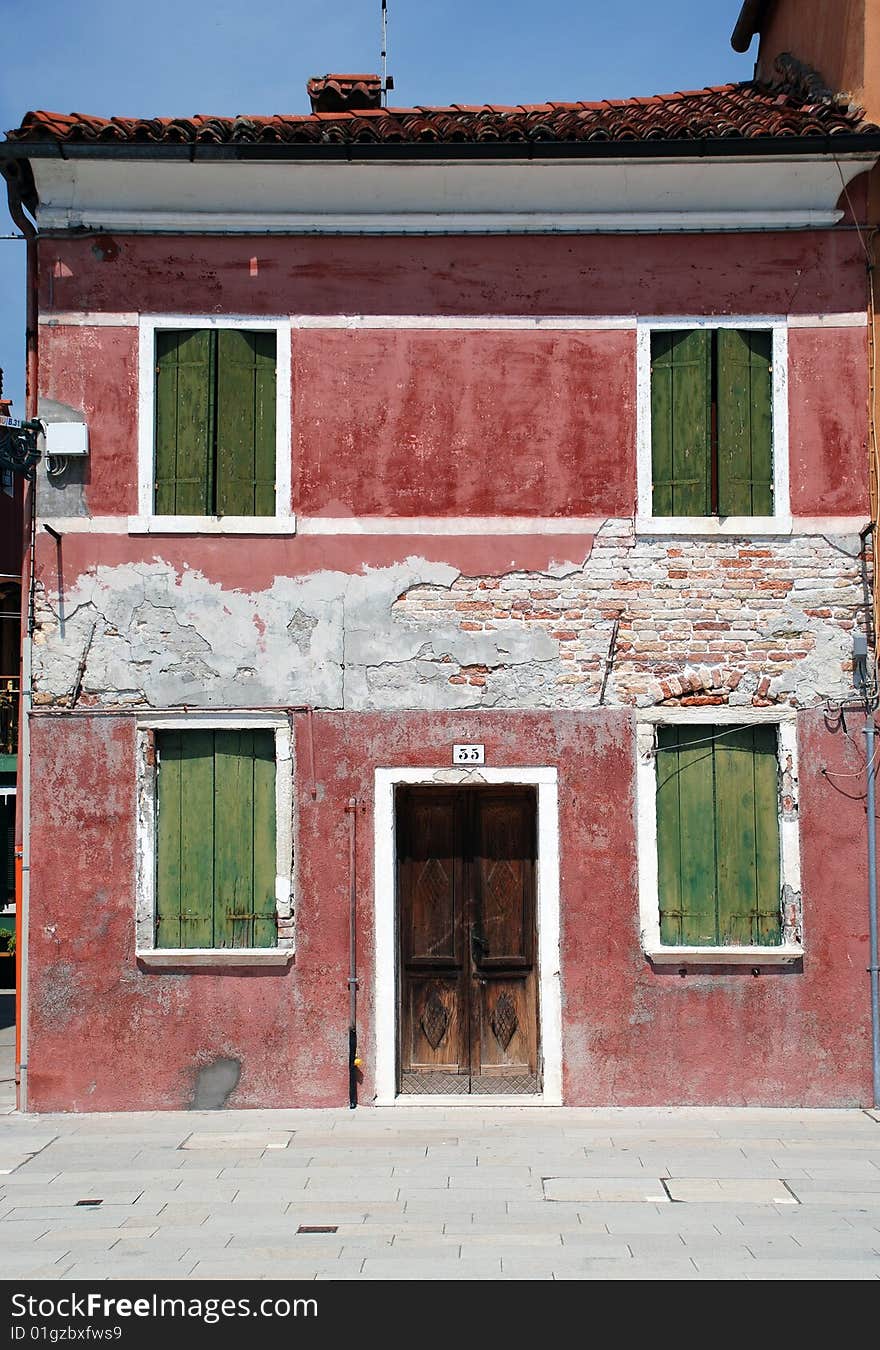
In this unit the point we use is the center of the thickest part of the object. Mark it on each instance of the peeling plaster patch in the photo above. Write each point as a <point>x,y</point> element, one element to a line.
<point>191,642</point>
<point>701,621</point>
<point>215,1084</point>
<point>300,628</point>
<point>792,912</point>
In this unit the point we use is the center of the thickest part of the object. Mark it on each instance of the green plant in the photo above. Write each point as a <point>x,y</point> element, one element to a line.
<point>7,941</point>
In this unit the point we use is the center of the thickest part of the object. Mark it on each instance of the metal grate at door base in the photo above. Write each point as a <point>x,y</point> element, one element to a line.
<point>441,1084</point>
<point>460,1085</point>
<point>518,1083</point>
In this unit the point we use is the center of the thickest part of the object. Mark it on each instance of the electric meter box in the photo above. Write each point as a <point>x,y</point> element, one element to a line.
<point>66,440</point>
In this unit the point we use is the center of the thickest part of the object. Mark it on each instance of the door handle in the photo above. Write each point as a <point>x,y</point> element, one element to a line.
<point>479,945</point>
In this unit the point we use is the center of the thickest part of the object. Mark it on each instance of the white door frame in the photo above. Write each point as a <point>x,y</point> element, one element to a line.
<point>547,914</point>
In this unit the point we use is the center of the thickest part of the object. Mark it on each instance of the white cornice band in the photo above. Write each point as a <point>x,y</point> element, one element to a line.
<point>533,197</point>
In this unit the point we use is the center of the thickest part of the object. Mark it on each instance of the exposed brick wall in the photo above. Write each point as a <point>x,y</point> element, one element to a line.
<point>701,621</point>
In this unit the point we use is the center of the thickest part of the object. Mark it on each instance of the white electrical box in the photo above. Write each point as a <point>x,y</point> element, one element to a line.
<point>66,439</point>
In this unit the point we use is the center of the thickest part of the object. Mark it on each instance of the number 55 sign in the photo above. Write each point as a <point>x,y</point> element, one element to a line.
<point>469,754</point>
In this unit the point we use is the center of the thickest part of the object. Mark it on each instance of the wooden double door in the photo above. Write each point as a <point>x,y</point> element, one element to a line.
<point>468,1007</point>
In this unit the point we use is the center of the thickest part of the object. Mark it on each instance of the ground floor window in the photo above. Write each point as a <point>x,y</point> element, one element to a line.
<point>215,838</point>
<point>718,836</point>
<point>718,841</point>
<point>215,870</point>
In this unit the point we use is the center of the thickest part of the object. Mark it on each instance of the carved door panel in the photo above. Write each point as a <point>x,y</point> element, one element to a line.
<point>504,1015</point>
<point>466,900</point>
<point>434,986</point>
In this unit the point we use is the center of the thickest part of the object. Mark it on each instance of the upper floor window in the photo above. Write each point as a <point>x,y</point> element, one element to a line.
<point>215,422</point>
<point>713,425</point>
<point>214,429</point>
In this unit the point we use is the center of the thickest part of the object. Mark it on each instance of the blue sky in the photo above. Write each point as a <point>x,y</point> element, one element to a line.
<point>221,56</point>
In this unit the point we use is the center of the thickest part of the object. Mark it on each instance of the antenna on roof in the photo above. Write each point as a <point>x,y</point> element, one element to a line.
<point>387,80</point>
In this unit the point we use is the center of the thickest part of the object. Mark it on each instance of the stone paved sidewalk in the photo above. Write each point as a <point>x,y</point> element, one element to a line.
<point>448,1193</point>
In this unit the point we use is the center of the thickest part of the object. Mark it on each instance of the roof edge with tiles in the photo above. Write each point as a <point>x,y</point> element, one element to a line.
<point>794,113</point>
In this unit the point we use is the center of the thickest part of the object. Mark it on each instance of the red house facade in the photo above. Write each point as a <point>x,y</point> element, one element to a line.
<point>462,542</point>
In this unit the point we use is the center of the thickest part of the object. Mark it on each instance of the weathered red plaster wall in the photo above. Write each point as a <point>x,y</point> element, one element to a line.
<point>108,1036</point>
<point>636,1034</point>
<point>828,420</point>
<point>632,1035</point>
<point>94,370</point>
<point>797,272</point>
<point>491,423</point>
<point>468,423</point>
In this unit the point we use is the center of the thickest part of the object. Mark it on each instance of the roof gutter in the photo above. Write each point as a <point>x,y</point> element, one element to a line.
<point>789,147</point>
<point>748,24</point>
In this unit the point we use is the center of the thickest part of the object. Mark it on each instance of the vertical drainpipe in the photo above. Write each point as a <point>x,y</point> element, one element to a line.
<point>23,825</point>
<point>353,1061</point>
<point>874,965</point>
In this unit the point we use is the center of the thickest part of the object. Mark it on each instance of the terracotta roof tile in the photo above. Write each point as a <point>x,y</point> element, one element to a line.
<point>794,105</point>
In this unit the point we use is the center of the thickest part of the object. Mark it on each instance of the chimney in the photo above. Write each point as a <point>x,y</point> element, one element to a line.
<point>344,93</point>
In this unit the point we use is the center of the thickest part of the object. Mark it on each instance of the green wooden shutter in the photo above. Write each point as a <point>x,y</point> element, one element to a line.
<point>747,830</point>
<point>215,875</point>
<point>686,837</point>
<point>245,423</point>
<point>185,363</point>
<point>265,929</point>
<point>718,836</point>
<point>745,429</point>
<point>681,423</point>
<point>244,862</point>
<point>185,839</point>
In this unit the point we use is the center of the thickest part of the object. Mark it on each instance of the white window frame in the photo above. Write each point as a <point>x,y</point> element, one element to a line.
<point>646,806</point>
<point>780,522</point>
<point>146,951</point>
<point>146,521</point>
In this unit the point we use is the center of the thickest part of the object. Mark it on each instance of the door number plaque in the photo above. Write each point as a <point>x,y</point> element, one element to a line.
<point>469,754</point>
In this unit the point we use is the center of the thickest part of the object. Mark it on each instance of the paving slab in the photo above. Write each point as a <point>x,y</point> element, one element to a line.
<point>729,1191</point>
<point>585,1189</point>
<point>34,1270</point>
<point>860,1200</point>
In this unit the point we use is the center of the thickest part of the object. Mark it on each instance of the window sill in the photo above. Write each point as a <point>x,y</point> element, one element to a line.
<point>717,526</point>
<point>724,956</point>
<point>212,525</point>
<point>225,956</point>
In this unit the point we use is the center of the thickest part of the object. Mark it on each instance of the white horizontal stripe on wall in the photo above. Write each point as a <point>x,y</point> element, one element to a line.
<point>465,526</point>
<point>500,322</point>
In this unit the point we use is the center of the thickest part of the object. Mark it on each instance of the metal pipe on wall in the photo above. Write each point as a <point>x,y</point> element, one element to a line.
<point>353,1061</point>
<point>873,963</point>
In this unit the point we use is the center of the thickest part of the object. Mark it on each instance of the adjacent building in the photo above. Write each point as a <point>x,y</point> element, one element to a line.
<point>459,523</point>
<point>11,545</point>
